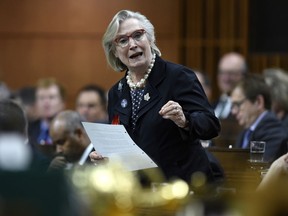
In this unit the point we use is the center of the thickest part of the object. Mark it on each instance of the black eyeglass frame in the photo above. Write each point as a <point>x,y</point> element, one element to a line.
<point>237,104</point>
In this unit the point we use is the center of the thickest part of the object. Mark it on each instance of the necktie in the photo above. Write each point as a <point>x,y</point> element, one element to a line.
<point>44,137</point>
<point>246,138</point>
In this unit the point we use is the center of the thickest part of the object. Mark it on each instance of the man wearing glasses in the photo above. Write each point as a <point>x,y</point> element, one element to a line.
<point>251,103</point>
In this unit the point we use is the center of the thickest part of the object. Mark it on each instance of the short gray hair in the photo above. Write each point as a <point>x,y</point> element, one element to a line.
<point>109,36</point>
<point>72,120</point>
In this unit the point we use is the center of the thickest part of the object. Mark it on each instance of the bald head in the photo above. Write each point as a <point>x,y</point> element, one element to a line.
<point>68,119</point>
<point>233,61</point>
<point>231,68</point>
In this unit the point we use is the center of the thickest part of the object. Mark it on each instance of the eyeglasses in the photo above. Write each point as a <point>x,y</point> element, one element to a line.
<point>237,104</point>
<point>123,40</point>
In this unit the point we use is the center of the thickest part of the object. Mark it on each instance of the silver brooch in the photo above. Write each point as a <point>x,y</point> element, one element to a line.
<point>147,97</point>
<point>124,103</point>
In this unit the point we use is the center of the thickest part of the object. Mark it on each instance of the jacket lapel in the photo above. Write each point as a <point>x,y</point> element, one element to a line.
<point>124,106</point>
<point>152,95</point>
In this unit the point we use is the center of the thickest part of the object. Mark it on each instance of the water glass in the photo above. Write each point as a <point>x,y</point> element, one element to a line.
<point>257,150</point>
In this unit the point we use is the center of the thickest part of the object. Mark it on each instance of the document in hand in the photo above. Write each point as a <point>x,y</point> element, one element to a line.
<point>114,142</point>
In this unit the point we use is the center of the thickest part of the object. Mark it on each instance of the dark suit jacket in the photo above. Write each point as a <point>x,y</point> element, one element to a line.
<point>34,131</point>
<point>271,130</point>
<point>285,121</point>
<point>177,152</point>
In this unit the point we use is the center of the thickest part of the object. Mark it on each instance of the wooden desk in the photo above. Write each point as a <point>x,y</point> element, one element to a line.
<point>240,173</point>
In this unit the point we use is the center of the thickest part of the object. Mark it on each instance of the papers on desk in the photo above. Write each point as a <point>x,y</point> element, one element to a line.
<point>114,142</point>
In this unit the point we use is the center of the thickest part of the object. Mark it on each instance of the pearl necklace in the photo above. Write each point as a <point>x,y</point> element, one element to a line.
<point>141,83</point>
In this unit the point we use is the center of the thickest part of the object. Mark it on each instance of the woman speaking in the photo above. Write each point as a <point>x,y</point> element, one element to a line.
<point>162,105</point>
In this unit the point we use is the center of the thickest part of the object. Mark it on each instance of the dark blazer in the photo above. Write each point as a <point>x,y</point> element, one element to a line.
<point>284,121</point>
<point>271,130</point>
<point>34,131</point>
<point>177,152</point>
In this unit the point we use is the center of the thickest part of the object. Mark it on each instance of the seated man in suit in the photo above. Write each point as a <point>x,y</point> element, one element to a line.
<point>50,100</point>
<point>72,143</point>
<point>251,103</point>
<point>91,104</point>
<point>231,69</point>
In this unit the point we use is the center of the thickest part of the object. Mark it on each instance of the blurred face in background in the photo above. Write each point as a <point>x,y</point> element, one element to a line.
<point>230,72</point>
<point>245,111</point>
<point>49,101</point>
<point>90,107</point>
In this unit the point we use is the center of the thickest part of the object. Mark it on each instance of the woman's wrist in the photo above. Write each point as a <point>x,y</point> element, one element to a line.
<point>186,124</point>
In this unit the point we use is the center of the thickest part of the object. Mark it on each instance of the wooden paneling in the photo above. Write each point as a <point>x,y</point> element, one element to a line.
<point>214,27</point>
<point>62,39</point>
<point>260,61</point>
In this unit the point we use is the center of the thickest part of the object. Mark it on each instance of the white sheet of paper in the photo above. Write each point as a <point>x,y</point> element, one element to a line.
<point>114,142</point>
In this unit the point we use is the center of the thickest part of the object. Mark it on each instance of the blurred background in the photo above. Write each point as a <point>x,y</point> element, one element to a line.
<point>62,39</point>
